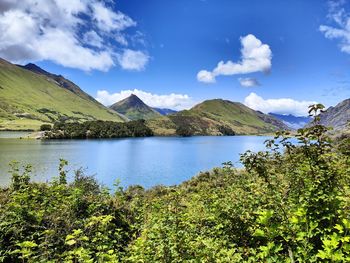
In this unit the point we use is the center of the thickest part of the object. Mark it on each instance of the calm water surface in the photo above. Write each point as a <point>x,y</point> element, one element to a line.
<point>144,161</point>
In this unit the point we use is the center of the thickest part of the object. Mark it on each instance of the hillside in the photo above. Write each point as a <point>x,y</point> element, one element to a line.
<point>337,116</point>
<point>216,117</point>
<point>134,108</point>
<point>31,97</point>
<point>60,81</point>
<point>292,121</point>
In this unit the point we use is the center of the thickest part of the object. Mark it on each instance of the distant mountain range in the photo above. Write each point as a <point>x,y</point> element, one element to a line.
<point>31,96</point>
<point>292,121</point>
<point>164,111</point>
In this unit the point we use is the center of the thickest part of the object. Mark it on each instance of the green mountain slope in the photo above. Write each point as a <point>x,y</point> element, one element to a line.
<point>216,117</point>
<point>134,108</point>
<point>60,81</point>
<point>29,98</point>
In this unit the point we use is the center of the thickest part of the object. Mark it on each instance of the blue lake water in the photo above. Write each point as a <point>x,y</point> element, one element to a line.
<point>144,161</point>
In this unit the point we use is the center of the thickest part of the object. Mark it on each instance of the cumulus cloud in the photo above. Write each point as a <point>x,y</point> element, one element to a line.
<point>74,33</point>
<point>172,101</point>
<point>206,76</point>
<point>93,39</point>
<point>280,106</point>
<point>341,25</point>
<point>133,60</point>
<point>248,82</point>
<point>109,20</point>
<point>255,57</point>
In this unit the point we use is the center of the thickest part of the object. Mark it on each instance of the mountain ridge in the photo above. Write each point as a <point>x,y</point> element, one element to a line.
<point>60,81</point>
<point>337,116</point>
<point>216,117</point>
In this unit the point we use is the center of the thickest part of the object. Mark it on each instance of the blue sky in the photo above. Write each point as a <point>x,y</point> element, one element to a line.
<point>159,46</point>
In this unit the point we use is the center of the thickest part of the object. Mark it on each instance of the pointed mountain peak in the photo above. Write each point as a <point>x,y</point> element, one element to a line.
<point>131,101</point>
<point>134,108</point>
<point>133,97</point>
<point>36,69</point>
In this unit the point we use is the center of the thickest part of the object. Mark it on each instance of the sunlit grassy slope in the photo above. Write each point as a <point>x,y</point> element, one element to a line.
<point>208,116</point>
<point>28,99</point>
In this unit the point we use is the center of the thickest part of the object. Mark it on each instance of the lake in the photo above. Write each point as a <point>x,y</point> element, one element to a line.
<point>144,161</point>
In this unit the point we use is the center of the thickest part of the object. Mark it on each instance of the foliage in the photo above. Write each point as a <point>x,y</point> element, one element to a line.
<point>60,222</point>
<point>45,127</point>
<point>99,129</point>
<point>290,204</point>
<point>184,131</point>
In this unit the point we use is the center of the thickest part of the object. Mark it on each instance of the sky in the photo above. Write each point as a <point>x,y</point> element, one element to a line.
<point>272,55</point>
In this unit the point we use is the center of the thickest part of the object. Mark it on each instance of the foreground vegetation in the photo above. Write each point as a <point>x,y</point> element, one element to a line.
<point>283,207</point>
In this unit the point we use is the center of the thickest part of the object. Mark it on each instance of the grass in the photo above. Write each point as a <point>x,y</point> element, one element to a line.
<point>28,99</point>
<point>20,124</point>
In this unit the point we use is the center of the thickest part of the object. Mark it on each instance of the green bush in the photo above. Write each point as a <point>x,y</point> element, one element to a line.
<point>99,129</point>
<point>184,131</point>
<point>45,127</point>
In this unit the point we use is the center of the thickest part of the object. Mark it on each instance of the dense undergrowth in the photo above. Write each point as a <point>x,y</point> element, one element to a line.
<point>290,206</point>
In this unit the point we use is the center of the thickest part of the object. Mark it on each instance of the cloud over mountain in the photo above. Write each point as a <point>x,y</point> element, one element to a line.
<point>255,57</point>
<point>172,101</point>
<point>79,34</point>
<point>280,106</point>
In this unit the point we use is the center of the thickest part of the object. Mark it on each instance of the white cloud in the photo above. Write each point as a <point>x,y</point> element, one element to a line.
<point>280,106</point>
<point>256,57</point>
<point>206,76</point>
<point>133,60</point>
<point>341,29</point>
<point>74,33</point>
<point>108,20</point>
<point>172,101</point>
<point>248,82</point>
<point>121,39</point>
<point>93,39</point>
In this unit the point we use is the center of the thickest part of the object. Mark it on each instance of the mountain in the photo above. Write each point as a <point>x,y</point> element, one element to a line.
<point>30,96</point>
<point>216,117</point>
<point>337,116</point>
<point>292,121</point>
<point>60,81</point>
<point>164,111</point>
<point>134,108</point>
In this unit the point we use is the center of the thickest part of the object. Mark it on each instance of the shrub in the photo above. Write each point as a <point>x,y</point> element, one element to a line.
<point>45,127</point>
